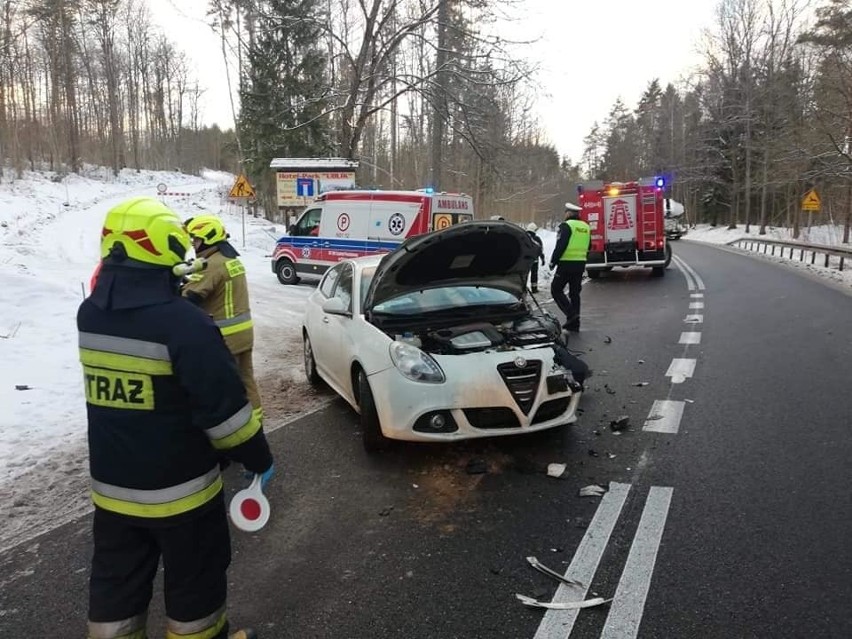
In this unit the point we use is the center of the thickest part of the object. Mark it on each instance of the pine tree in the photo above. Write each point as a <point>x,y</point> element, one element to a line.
<point>283,100</point>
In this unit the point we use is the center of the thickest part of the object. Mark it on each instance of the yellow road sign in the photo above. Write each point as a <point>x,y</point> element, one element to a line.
<point>442,221</point>
<point>811,201</point>
<point>242,188</point>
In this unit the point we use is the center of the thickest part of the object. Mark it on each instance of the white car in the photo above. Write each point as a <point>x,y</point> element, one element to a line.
<point>436,340</point>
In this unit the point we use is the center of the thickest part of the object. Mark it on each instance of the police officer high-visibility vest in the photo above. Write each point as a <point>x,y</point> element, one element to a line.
<point>578,244</point>
<point>222,292</point>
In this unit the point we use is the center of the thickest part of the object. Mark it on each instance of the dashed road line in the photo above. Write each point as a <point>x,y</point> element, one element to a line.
<point>584,565</point>
<point>625,613</point>
<point>696,306</point>
<point>690,338</point>
<point>681,369</point>
<point>697,296</point>
<point>664,417</point>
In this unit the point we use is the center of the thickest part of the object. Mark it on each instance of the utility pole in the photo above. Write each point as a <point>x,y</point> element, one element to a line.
<point>440,110</point>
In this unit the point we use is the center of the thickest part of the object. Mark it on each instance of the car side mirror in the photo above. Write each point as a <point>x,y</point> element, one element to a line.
<point>335,306</point>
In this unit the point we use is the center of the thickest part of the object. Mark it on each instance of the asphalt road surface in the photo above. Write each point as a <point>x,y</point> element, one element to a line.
<point>728,511</point>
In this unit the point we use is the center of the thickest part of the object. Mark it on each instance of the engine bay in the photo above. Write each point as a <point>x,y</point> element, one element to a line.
<point>532,330</point>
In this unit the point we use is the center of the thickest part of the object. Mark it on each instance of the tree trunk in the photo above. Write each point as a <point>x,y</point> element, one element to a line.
<point>439,112</point>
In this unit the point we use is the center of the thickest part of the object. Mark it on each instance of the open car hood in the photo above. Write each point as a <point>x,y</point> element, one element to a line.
<point>495,254</point>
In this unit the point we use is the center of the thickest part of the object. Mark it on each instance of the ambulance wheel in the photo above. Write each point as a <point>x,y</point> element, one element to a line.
<point>593,274</point>
<point>374,439</point>
<point>286,271</point>
<point>310,363</point>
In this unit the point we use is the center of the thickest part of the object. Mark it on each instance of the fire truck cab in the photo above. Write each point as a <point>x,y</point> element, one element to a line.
<point>627,225</point>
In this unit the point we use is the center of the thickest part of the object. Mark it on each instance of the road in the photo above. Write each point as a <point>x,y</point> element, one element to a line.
<point>727,514</point>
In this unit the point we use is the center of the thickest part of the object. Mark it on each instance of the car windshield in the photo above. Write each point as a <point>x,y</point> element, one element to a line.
<point>437,299</point>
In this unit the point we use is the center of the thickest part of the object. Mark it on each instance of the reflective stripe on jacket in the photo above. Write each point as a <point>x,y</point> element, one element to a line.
<point>578,244</point>
<point>223,290</point>
<point>164,399</point>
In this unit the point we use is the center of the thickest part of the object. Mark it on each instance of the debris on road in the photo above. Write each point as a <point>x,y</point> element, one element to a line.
<point>593,453</point>
<point>592,491</point>
<point>556,470</point>
<point>476,467</point>
<point>620,423</point>
<point>689,401</point>
<point>654,417</point>
<point>641,383</point>
<point>537,565</point>
<point>641,361</point>
<point>607,340</point>
<point>608,389</point>
<point>568,605</point>
<point>23,387</point>
<point>386,511</point>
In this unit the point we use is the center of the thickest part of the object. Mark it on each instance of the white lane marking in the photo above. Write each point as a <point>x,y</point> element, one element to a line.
<point>697,296</point>
<point>690,338</point>
<point>696,306</point>
<point>699,283</point>
<point>681,369</point>
<point>664,417</point>
<point>694,319</point>
<point>625,613</point>
<point>584,565</point>
<point>690,283</point>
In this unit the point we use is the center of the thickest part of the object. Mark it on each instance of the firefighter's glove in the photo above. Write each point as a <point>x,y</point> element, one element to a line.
<point>265,476</point>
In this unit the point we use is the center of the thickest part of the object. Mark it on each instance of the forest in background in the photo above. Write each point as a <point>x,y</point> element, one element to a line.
<point>431,93</point>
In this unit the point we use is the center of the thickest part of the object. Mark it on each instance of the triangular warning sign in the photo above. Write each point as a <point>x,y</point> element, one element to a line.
<point>811,201</point>
<point>242,188</point>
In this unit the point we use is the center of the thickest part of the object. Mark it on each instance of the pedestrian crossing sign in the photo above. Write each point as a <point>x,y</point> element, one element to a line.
<point>811,201</point>
<point>242,188</point>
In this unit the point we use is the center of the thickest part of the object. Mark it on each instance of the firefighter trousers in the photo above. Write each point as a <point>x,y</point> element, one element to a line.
<point>244,363</point>
<point>195,553</point>
<point>568,274</point>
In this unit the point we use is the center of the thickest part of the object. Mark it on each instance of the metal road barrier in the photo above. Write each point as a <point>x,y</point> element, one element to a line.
<point>768,247</point>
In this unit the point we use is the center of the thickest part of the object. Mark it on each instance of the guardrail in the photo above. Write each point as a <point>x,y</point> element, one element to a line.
<point>756,244</point>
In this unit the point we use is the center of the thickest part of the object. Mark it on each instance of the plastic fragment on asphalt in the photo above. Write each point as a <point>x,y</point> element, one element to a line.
<point>22,387</point>
<point>607,340</point>
<point>592,491</point>
<point>556,470</point>
<point>568,605</point>
<point>620,423</point>
<point>537,565</point>
<point>689,401</point>
<point>641,383</point>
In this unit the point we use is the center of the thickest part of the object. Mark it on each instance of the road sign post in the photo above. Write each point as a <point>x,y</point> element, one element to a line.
<point>241,193</point>
<point>811,203</point>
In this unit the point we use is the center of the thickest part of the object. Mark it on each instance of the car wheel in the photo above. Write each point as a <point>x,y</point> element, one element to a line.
<point>374,440</point>
<point>286,271</point>
<point>310,363</point>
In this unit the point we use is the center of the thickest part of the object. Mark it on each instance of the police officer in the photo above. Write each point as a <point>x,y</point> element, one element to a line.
<point>221,290</point>
<point>164,400</point>
<point>531,231</point>
<point>569,259</point>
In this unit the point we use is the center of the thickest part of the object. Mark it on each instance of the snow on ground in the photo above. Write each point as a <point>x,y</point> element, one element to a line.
<point>49,239</point>
<point>827,235</point>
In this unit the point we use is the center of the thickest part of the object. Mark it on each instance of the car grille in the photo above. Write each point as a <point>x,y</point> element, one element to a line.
<point>522,382</point>
<point>491,418</point>
<point>551,410</point>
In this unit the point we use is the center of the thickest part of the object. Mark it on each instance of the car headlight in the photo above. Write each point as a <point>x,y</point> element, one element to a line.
<point>415,364</point>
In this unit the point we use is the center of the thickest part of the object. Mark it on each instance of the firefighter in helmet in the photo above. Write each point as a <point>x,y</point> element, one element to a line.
<point>569,259</point>
<point>221,291</point>
<point>164,401</point>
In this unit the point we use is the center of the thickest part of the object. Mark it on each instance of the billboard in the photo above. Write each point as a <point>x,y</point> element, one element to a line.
<point>299,188</point>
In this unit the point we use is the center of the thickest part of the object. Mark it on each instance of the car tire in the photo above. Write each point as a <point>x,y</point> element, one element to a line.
<point>286,271</point>
<point>374,439</point>
<point>311,373</point>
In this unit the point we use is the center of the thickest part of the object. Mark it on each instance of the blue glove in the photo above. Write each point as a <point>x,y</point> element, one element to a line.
<point>266,476</point>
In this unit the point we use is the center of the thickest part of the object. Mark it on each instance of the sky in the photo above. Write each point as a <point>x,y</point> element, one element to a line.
<point>590,52</point>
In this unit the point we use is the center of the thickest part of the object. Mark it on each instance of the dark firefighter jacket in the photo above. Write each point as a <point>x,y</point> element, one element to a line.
<point>164,399</point>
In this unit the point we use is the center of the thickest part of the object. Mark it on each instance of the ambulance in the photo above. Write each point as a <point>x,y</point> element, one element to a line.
<point>627,225</point>
<point>341,225</point>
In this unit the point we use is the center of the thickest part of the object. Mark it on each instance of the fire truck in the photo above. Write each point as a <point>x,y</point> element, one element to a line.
<point>627,225</point>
